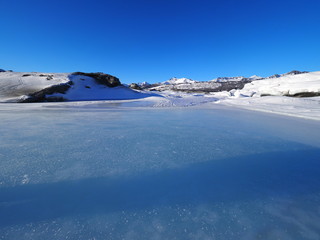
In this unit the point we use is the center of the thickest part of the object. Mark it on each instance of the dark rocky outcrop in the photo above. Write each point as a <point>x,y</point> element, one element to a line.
<point>294,72</point>
<point>304,94</point>
<point>227,86</point>
<point>204,87</point>
<point>48,76</point>
<point>1,70</point>
<point>41,96</point>
<point>135,86</point>
<point>274,76</point>
<point>101,78</point>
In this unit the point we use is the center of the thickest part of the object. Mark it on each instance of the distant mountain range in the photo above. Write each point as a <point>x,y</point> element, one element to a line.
<point>215,85</point>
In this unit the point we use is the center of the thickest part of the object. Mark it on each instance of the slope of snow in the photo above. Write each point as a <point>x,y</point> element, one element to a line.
<point>254,95</point>
<point>15,85</point>
<point>85,88</point>
<point>286,85</point>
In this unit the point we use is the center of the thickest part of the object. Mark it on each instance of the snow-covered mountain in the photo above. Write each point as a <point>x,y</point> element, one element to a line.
<point>44,87</point>
<point>255,77</point>
<point>175,81</point>
<point>144,84</point>
<point>188,85</point>
<point>228,79</point>
<point>215,85</point>
<point>236,79</point>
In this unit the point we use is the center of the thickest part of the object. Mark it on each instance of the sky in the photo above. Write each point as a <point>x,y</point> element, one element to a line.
<point>155,40</point>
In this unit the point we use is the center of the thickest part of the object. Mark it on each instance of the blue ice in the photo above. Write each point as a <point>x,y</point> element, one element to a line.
<point>142,173</point>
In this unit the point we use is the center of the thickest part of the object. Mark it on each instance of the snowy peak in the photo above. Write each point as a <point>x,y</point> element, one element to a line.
<point>228,79</point>
<point>175,81</point>
<point>255,77</point>
<point>144,84</point>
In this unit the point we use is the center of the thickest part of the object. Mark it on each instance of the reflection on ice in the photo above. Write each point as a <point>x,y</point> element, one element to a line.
<point>157,174</point>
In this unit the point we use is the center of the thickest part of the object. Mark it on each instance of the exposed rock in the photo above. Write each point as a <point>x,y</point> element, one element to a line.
<point>48,76</point>
<point>26,75</point>
<point>304,94</point>
<point>135,86</point>
<point>102,78</point>
<point>144,85</point>
<point>210,86</point>
<point>1,70</point>
<point>229,79</point>
<point>41,96</point>
<point>294,72</point>
<point>275,76</point>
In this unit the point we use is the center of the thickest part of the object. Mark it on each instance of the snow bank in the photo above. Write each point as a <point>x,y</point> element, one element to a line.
<point>288,85</point>
<point>278,95</point>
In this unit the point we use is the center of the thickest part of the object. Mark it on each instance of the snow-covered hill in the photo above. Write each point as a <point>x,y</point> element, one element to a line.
<point>295,85</point>
<point>15,86</point>
<point>41,87</point>
<point>287,94</point>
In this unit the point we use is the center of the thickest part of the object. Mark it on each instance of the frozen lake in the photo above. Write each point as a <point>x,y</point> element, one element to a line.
<point>105,171</point>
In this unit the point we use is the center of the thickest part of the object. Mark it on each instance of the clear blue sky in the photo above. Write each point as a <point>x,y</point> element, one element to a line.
<point>154,40</point>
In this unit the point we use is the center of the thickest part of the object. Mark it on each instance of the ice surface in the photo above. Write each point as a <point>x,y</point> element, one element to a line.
<point>109,171</point>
